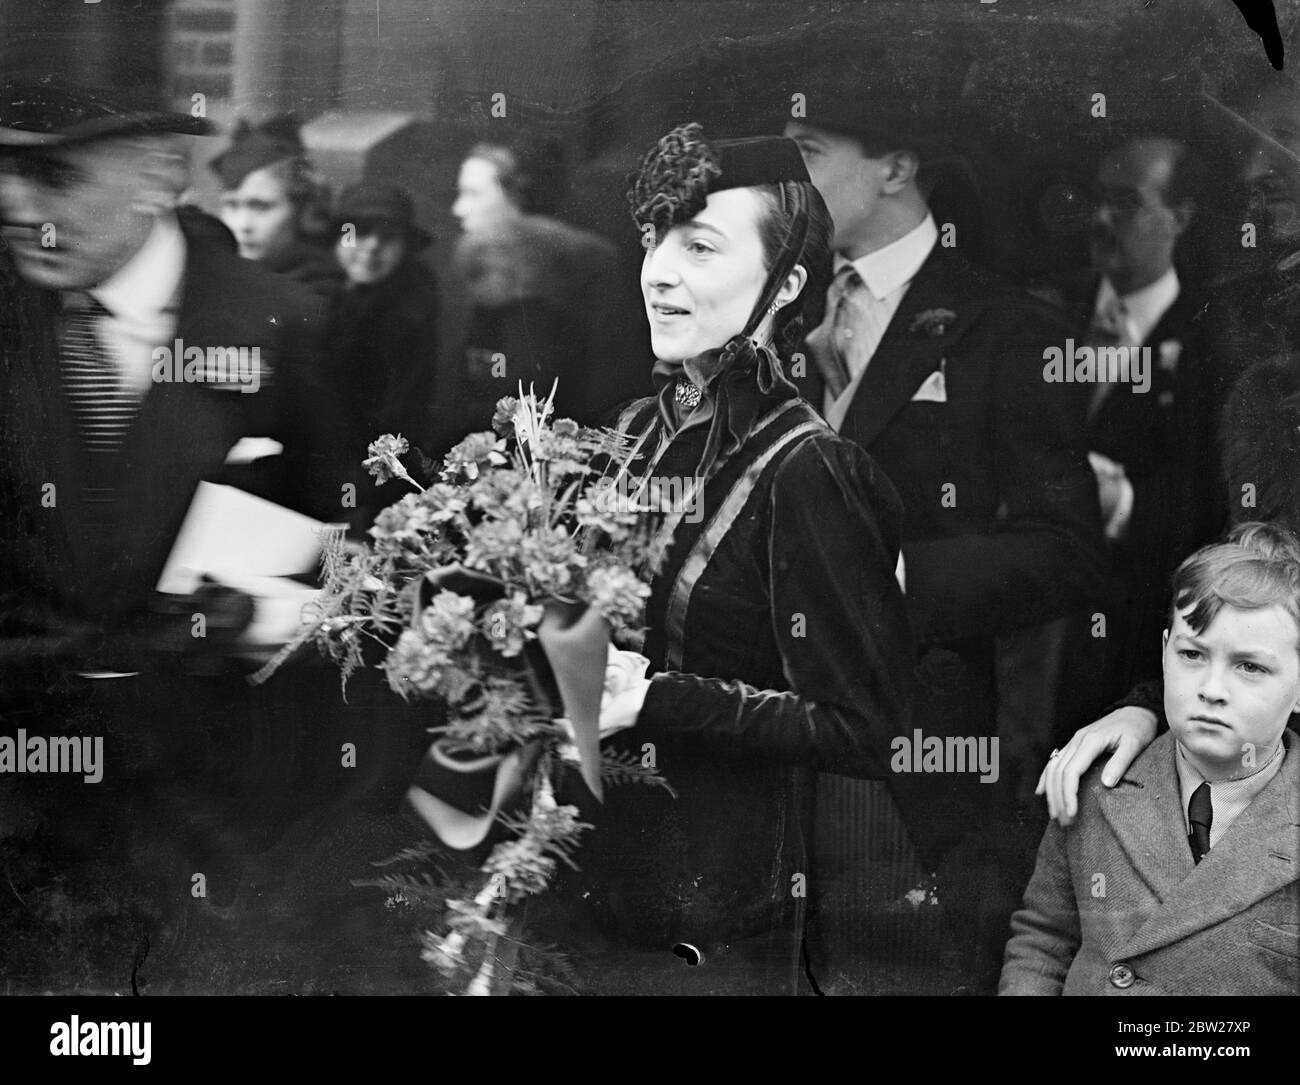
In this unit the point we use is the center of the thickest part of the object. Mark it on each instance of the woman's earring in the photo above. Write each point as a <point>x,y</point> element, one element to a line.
<point>772,309</point>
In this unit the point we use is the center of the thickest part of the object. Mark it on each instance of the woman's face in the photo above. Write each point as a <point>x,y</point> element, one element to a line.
<point>260,215</point>
<point>373,254</point>
<point>481,202</point>
<point>702,279</point>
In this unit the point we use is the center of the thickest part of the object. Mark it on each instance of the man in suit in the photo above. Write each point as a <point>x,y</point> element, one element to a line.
<point>1148,191</point>
<point>1251,318</point>
<point>1183,879</point>
<point>101,448</point>
<point>935,367</point>
<point>112,440</point>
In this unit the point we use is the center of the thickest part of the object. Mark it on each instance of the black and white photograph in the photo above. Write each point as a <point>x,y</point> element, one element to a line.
<point>651,498</point>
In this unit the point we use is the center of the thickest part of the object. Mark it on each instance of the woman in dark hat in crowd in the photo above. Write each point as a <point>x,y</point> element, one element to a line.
<point>776,629</point>
<point>270,201</point>
<point>538,289</point>
<point>383,325</point>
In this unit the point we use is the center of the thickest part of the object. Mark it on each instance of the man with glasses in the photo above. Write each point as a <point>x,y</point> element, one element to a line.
<point>1147,191</point>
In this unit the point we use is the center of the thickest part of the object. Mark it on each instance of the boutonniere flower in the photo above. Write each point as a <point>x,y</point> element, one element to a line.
<point>1170,350</point>
<point>932,322</point>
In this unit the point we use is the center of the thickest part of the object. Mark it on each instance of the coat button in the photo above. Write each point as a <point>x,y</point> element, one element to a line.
<point>1122,976</point>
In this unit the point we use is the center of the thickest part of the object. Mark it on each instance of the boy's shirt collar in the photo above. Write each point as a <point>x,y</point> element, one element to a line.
<point>1229,797</point>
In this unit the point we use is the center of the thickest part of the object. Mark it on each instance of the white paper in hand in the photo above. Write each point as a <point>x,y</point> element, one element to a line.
<point>231,535</point>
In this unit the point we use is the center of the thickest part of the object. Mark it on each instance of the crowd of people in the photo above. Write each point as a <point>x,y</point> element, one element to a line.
<point>980,542</point>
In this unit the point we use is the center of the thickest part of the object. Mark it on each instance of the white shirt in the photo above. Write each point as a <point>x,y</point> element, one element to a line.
<point>887,273</point>
<point>1228,798</point>
<point>143,298</point>
<point>1144,307</point>
<point>1143,310</point>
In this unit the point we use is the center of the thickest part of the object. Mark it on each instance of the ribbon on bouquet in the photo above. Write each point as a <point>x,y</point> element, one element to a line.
<point>459,793</point>
<point>576,642</point>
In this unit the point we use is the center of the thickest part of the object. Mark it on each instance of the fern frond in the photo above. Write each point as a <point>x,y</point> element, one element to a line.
<point>621,767</point>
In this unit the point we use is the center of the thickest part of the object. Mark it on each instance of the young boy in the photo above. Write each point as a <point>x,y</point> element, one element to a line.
<point>1183,878</point>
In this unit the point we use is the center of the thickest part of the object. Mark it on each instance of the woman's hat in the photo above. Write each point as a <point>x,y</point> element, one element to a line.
<point>254,147</point>
<point>682,169</point>
<point>380,201</point>
<point>37,115</point>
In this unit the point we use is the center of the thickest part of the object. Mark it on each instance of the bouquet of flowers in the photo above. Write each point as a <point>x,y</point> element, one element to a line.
<point>495,591</point>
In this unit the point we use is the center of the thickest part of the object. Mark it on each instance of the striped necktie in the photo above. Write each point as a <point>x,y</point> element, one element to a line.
<point>101,403</point>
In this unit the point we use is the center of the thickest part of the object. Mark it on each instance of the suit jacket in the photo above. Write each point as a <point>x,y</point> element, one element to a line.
<point>1001,524</point>
<point>1144,433</point>
<point>1117,905</point>
<point>66,576</point>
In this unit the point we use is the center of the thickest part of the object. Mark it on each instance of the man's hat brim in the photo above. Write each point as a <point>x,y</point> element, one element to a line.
<point>34,117</point>
<point>134,124</point>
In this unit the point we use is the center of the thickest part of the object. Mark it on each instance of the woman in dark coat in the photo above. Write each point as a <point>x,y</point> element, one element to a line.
<point>540,303</point>
<point>271,202</point>
<point>383,325</point>
<point>776,632</point>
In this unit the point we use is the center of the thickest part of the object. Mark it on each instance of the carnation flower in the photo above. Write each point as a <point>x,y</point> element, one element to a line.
<point>415,665</point>
<point>448,620</point>
<point>476,451</point>
<point>503,420</point>
<point>550,558</point>
<point>508,623</point>
<point>493,543</point>
<point>618,594</point>
<point>446,502</point>
<point>383,463</point>
<point>606,508</point>
<point>408,527</point>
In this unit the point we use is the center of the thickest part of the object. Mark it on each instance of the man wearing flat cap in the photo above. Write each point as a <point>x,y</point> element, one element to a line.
<point>935,368</point>
<point>101,450</point>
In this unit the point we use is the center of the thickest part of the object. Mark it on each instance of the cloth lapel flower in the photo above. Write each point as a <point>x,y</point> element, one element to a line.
<point>932,322</point>
<point>1170,349</point>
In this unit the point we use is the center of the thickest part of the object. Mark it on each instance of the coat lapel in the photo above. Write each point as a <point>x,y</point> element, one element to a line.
<point>1144,812</point>
<point>183,430</point>
<point>905,358</point>
<point>1256,857</point>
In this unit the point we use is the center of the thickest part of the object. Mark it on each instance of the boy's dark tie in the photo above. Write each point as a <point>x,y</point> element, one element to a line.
<point>1200,813</point>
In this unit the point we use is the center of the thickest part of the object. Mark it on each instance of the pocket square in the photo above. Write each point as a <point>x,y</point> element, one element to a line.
<point>934,390</point>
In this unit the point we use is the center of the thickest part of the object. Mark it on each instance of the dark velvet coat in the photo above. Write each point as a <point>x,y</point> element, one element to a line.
<point>779,645</point>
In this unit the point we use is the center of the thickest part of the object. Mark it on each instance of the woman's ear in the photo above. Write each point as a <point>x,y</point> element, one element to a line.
<point>793,285</point>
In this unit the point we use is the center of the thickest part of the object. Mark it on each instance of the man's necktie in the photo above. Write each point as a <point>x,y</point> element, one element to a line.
<point>1109,328</point>
<point>101,403</point>
<point>1200,814</point>
<point>831,358</point>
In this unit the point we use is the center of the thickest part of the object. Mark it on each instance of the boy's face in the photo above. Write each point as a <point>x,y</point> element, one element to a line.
<point>1230,690</point>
